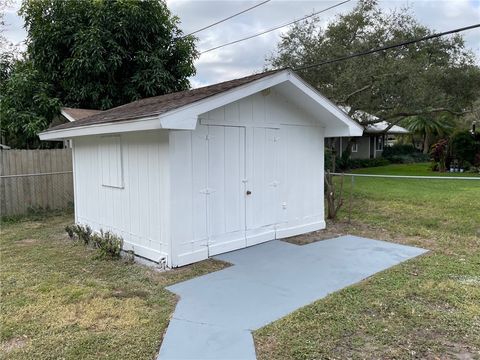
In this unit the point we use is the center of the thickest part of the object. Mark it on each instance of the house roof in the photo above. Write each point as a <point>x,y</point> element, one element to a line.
<point>377,127</point>
<point>181,110</point>
<point>382,126</point>
<point>159,104</point>
<point>75,114</point>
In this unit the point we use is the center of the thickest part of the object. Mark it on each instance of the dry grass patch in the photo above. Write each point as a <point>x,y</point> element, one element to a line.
<point>59,301</point>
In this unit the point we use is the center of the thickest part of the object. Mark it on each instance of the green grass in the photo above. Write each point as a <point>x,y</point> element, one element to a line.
<point>417,169</point>
<point>59,301</point>
<point>428,307</point>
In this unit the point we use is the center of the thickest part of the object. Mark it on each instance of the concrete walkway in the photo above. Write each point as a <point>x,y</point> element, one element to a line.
<point>217,312</point>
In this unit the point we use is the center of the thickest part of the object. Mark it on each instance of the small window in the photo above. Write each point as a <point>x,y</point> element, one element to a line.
<point>354,146</point>
<point>110,153</point>
<point>379,146</point>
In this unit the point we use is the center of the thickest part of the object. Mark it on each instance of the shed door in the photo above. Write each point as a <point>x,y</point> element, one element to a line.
<point>263,169</point>
<point>226,189</point>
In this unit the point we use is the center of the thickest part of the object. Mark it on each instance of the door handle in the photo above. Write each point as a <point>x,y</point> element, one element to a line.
<point>249,192</point>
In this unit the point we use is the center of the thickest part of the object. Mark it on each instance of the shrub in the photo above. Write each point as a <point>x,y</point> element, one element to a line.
<point>474,170</point>
<point>363,163</point>
<point>404,154</point>
<point>81,232</point>
<point>409,159</point>
<point>439,153</point>
<point>84,233</point>
<point>465,147</point>
<point>328,158</point>
<point>398,150</point>
<point>70,229</point>
<point>108,244</point>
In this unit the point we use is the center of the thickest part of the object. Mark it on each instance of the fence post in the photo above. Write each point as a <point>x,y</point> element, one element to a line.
<point>351,198</point>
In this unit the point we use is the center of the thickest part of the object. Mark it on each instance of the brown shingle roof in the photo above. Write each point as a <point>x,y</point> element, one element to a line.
<point>160,104</point>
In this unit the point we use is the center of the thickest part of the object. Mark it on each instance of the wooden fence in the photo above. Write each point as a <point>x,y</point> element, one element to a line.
<point>35,179</point>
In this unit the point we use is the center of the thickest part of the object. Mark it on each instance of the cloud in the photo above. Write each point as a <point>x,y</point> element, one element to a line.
<point>14,31</point>
<point>249,56</point>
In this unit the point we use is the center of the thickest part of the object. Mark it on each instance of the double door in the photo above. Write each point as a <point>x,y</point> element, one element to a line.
<point>244,171</point>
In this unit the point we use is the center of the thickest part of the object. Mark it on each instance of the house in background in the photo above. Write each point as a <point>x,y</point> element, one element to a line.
<point>73,114</point>
<point>371,144</point>
<point>67,115</point>
<point>188,175</point>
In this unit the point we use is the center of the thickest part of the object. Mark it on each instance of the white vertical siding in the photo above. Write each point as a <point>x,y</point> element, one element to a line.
<point>262,143</point>
<point>302,190</point>
<point>189,166</point>
<point>182,194</point>
<point>139,209</point>
<point>295,160</point>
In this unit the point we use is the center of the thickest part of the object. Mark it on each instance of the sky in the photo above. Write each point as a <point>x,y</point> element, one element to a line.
<point>249,56</point>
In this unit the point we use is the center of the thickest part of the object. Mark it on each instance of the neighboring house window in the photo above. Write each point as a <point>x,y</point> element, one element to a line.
<point>379,146</point>
<point>354,146</point>
<point>110,153</point>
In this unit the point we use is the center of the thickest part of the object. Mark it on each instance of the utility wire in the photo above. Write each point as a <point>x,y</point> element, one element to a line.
<point>273,28</point>
<point>387,47</point>
<point>227,18</point>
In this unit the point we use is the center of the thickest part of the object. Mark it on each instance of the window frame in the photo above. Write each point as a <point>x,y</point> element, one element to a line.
<point>354,146</point>
<point>119,159</point>
<point>379,141</point>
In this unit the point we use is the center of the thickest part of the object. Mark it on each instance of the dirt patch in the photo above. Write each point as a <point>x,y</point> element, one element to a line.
<point>26,242</point>
<point>341,228</point>
<point>13,344</point>
<point>129,293</point>
<point>336,229</point>
<point>313,236</point>
<point>461,351</point>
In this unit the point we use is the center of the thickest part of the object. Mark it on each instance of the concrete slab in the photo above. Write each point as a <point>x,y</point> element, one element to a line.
<point>217,311</point>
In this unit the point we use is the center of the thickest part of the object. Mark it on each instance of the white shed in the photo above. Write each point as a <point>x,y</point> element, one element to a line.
<point>188,175</point>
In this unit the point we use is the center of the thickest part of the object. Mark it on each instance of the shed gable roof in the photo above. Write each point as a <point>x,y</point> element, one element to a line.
<point>180,110</point>
<point>160,104</point>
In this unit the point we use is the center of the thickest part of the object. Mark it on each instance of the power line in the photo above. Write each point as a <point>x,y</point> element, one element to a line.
<point>387,47</point>
<point>273,28</point>
<point>227,18</point>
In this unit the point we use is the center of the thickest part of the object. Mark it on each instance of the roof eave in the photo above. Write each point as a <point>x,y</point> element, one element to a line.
<point>182,118</point>
<point>185,117</point>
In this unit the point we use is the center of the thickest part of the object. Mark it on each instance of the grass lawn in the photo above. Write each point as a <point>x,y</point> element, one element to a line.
<point>428,307</point>
<point>418,169</point>
<point>59,301</point>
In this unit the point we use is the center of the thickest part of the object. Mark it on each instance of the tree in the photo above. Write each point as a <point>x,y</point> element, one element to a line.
<point>429,127</point>
<point>27,105</point>
<point>101,54</point>
<point>433,77</point>
<point>94,54</point>
<point>465,147</point>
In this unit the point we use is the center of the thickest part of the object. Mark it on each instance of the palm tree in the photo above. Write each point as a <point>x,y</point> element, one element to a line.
<point>429,127</point>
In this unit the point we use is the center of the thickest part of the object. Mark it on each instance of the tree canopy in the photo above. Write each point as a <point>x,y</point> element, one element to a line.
<point>94,54</point>
<point>426,78</point>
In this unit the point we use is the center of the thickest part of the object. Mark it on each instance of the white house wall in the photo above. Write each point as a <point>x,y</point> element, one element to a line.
<point>139,210</point>
<point>263,144</point>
